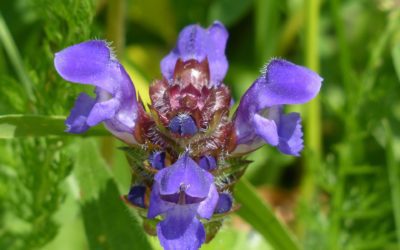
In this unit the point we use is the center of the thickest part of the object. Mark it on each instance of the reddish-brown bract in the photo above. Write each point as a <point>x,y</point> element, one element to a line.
<point>189,92</point>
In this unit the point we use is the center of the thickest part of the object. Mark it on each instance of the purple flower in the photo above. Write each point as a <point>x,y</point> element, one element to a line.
<point>136,195</point>
<point>157,160</point>
<point>260,118</point>
<point>224,203</point>
<point>196,43</point>
<point>208,163</point>
<point>115,104</point>
<point>189,115</point>
<point>183,193</point>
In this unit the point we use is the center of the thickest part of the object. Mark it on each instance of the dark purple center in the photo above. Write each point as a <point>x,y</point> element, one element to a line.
<point>183,124</point>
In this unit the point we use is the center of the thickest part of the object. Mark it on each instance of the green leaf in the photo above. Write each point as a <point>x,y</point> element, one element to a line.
<point>396,58</point>
<point>394,176</point>
<point>15,58</point>
<point>13,126</point>
<point>228,11</point>
<point>139,13</point>
<point>258,214</point>
<point>108,223</point>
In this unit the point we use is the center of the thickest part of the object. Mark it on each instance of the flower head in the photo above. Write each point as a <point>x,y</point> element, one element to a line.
<point>183,193</point>
<point>191,150</point>
<point>115,104</point>
<point>198,44</point>
<point>260,118</point>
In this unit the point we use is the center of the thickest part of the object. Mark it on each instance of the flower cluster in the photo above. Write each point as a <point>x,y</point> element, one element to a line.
<point>184,148</point>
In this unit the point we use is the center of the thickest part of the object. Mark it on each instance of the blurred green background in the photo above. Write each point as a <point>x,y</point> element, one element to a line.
<point>59,191</point>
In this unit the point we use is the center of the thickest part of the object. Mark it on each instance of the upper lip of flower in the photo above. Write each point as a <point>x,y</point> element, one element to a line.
<point>260,113</point>
<point>93,63</point>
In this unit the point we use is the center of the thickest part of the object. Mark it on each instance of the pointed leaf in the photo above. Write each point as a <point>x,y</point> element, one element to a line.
<point>108,223</point>
<point>18,125</point>
<point>258,214</point>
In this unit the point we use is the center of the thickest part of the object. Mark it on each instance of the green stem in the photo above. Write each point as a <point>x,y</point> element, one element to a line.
<point>266,29</point>
<point>290,31</point>
<point>116,24</point>
<point>313,120</point>
<point>346,153</point>
<point>394,177</point>
<point>258,214</point>
<point>116,34</point>
<point>344,56</point>
<point>15,58</point>
<point>370,73</point>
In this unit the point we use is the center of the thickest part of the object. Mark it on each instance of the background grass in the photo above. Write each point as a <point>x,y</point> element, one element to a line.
<point>61,192</point>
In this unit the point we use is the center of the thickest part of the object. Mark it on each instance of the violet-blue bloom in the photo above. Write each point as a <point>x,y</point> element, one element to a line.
<point>157,160</point>
<point>93,63</point>
<point>259,116</point>
<point>189,113</point>
<point>224,203</point>
<point>197,43</point>
<point>208,163</point>
<point>136,195</point>
<point>183,193</point>
<point>183,125</point>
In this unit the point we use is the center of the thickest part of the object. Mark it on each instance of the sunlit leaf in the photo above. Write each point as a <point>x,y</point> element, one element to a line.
<point>394,177</point>
<point>156,16</point>
<point>13,126</point>
<point>396,59</point>
<point>228,11</point>
<point>258,214</point>
<point>108,223</point>
<point>14,55</point>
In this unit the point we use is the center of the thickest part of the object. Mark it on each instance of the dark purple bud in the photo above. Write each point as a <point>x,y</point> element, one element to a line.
<point>136,195</point>
<point>183,125</point>
<point>208,163</point>
<point>224,204</point>
<point>157,160</point>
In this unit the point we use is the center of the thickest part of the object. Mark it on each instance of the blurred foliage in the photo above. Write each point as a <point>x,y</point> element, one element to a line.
<point>56,188</point>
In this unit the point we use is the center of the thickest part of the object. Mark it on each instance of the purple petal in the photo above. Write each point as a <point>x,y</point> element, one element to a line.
<point>197,43</point>
<point>87,63</point>
<point>93,62</point>
<point>136,195</point>
<point>157,160</point>
<point>290,134</point>
<point>266,129</point>
<point>183,125</point>
<point>208,163</point>
<point>102,111</point>
<point>282,83</point>
<point>76,121</point>
<point>224,203</point>
<point>184,173</point>
<point>157,205</point>
<point>206,207</point>
<point>181,230</point>
<point>216,53</point>
<point>285,132</point>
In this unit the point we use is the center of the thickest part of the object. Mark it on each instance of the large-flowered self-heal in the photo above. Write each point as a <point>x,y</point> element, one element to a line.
<point>115,104</point>
<point>186,153</point>
<point>260,116</point>
<point>198,44</point>
<point>183,193</point>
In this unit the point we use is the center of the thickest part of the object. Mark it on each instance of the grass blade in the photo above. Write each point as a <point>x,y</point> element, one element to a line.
<point>13,126</point>
<point>256,212</point>
<point>15,58</point>
<point>394,177</point>
<point>108,223</point>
